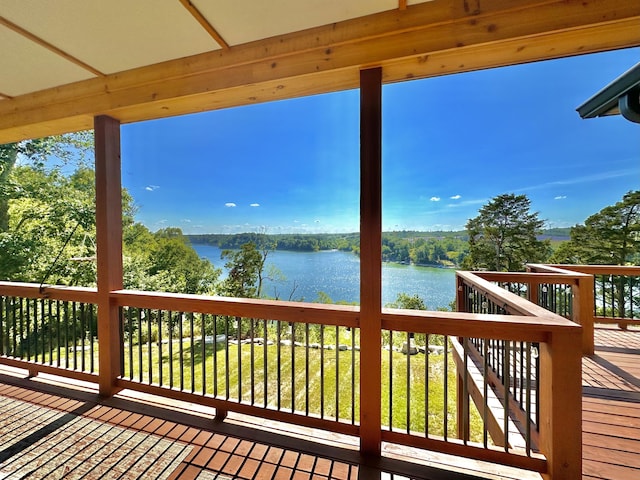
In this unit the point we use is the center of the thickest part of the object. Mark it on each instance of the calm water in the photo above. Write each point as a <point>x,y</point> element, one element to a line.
<point>337,274</point>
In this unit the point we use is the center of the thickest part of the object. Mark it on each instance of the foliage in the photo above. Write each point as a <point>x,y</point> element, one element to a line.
<point>503,237</point>
<point>47,204</point>
<point>609,237</point>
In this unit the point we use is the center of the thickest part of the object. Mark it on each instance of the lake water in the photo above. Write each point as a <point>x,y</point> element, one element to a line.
<point>337,274</point>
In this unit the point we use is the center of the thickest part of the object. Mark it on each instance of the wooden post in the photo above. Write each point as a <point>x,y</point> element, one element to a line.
<point>561,404</point>
<point>108,247</point>
<point>461,301</point>
<point>370,261</point>
<point>583,305</point>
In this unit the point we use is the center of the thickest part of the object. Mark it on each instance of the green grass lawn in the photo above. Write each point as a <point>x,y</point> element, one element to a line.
<point>413,396</point>
<point>288,370</point>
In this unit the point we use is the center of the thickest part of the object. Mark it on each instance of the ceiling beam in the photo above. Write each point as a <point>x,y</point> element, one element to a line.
<point>428,39</point>
<point>195,13</point>
<point>52,48</point>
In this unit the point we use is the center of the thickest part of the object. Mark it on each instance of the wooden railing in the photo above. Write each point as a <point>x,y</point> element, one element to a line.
<point>300,363</point>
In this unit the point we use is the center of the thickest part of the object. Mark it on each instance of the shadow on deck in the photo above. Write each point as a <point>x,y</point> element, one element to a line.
<point>611,406</point>
<point>50,429</point>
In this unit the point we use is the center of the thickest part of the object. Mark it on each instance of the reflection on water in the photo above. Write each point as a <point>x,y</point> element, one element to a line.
<point>304,274</point>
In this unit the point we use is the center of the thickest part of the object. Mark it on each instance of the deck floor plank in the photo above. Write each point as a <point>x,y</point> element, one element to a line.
<point>611,406</point>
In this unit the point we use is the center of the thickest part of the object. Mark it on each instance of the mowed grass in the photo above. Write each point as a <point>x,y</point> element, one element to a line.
<point>319,382</point>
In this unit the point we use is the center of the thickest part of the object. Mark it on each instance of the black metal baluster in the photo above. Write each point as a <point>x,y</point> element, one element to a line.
<point>446,387</point>
<point>149,346</point>
<point>160,359</point>
<point>239,343</point>
<point>192,352</point>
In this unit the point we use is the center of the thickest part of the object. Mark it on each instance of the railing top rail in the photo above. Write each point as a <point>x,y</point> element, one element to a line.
<point>557,269</point>
<point>344,315</point>
<point>54,292</point>
<point>461,324</point>
<point>568,278</point>
<point>512,303</point>
<point>599,269</point>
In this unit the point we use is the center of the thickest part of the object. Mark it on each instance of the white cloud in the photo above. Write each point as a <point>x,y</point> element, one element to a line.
<point>230,204</point>
<point>254,205</point>
<point>435,199</point>
<point>151,188</point>
<point>186,220</point>
<point>456,197</point>
<point>560,197</point>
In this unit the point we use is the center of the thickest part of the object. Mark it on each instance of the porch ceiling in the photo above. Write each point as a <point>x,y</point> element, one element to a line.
<point>66,61</point>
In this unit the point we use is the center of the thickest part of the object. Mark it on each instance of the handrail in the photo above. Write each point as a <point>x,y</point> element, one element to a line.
<point>527,323</point>
<point>344,315</point>
<point>559,361</point>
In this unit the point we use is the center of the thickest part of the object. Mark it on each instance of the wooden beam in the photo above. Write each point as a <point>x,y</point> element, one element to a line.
<point>193,10</point>
<point>370,260</point>
<point>432,38</point>
<point>52,48</point>
<point>108,247</point>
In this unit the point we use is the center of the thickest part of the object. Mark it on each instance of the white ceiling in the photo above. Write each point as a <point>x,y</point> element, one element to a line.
<point>48,43</point>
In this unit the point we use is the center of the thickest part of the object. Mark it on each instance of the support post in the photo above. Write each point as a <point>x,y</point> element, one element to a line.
<point>561,404</point>
<point>370,261</point>
<point>583,305</point>
<point>108,247</point>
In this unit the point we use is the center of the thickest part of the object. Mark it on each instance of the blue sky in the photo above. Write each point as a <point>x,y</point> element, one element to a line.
<point>450,144</point>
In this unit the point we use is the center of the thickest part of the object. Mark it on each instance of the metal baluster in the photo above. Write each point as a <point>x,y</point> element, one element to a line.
<point>507,345</point>
<point>226,357</point>
<point>35,331</point>
<point>408,406</point>
<point>446,387</point>
<point>239,353</point>
<point>170,326</point>
<point>28,330</point>
<point>181,349</point>
<point>485,389</point>
<point>149,347</point>
<point>322,371</point>
<point>528,402</point>
<point>293,367</point>
<point>203,341</point>
<point>192,352</point>
<point>278,372</point>
<point>391,380</point>
<point>426,386</point>
<point>140,369</point>
<point>337,372</point>
<point>306,369</point>
<point>465,392</point>
<point>253,362</point>
<point>91,357</point>
<point>83,330</point>
<point>215,355</point>
<point>160,359</point>
<point>353,376</point>
<point>265,364</point>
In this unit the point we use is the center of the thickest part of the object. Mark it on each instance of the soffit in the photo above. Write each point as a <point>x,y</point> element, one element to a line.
<point>243,21</point>
<point>28,67</point>
<point>109,36</point>
<point>62,62</point>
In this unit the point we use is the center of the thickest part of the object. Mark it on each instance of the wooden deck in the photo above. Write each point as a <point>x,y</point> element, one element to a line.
<point>49,429</point>
<point>611,406</point>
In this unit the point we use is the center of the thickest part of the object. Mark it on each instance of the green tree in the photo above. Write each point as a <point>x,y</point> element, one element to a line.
<point>503,237</point>
<point>54,151</point>
<point>609,237</point>
<point>244,268</point>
